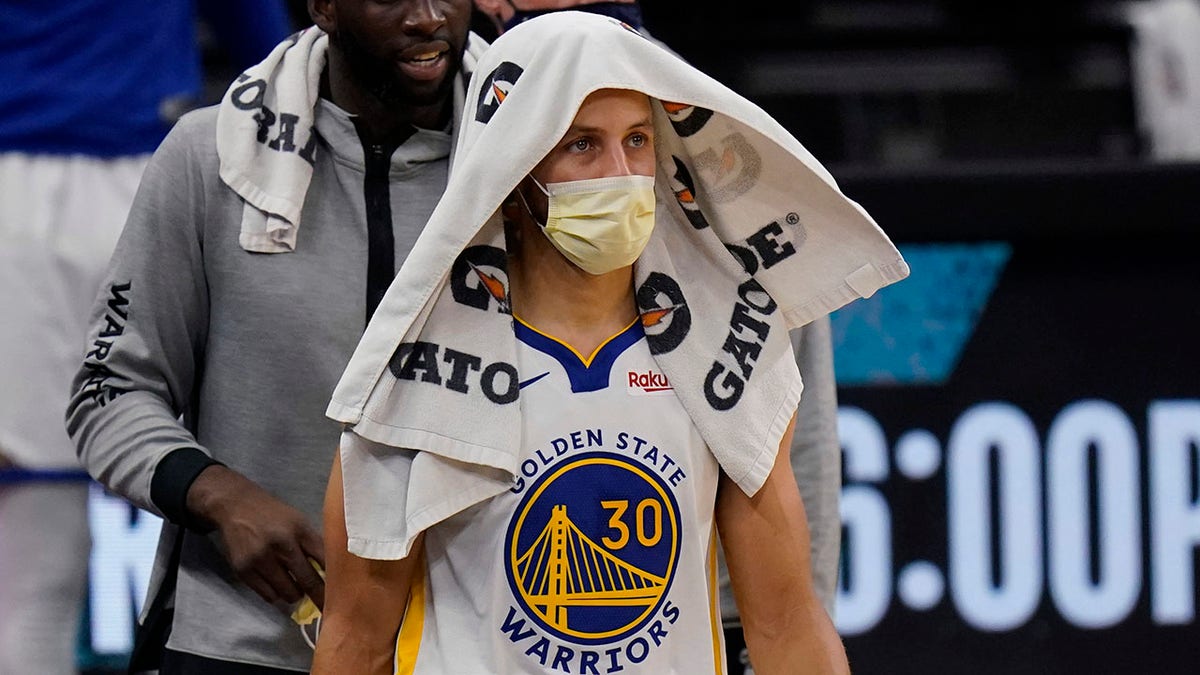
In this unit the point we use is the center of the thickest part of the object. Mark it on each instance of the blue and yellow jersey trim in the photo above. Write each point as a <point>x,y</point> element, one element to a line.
<point>412,627</point>
<point>590,373</point>
<point>714,610</point>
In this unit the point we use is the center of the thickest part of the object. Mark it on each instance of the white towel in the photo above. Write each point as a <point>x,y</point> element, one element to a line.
<point>752,238</point>
<point>267,142</point>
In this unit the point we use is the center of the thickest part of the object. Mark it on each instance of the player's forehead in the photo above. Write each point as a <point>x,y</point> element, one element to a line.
<point>612,108</point>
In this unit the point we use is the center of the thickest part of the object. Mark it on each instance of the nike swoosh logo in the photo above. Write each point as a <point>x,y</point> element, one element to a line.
<point>526,383</point>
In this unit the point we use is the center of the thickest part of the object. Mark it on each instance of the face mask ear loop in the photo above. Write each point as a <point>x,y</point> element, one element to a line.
<point>316,634</point>
<point>521,195</point>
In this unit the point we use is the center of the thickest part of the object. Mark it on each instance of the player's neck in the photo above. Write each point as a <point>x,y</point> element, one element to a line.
<point>557,298</point>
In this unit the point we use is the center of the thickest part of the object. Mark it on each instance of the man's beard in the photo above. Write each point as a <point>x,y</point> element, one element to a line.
<point>377,76</point>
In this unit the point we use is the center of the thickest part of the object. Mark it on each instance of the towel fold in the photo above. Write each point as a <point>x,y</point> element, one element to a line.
<point>752,238</point>
<point>267,143</point>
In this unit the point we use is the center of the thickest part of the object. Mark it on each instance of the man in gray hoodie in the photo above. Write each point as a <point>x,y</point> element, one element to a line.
<point>210,362</point>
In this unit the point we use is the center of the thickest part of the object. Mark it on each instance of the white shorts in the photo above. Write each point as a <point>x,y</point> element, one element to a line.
<point>60,217</point>
<point>43,570</point>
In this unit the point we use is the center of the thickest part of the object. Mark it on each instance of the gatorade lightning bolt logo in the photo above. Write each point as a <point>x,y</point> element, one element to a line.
<point>629,28</point>
<point>654,317</point>
<point>494,287</point>
<point>495,89</point>
<point>666,318</point>
<point>687,119</point>
<point>478,278</point>
<point>685,193</point>
<point>728,169</point>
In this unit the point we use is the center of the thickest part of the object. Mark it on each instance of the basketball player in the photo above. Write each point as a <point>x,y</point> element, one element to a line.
<point>816,451</point>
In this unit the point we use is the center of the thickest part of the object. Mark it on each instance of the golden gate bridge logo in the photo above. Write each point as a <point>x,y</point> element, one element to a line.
<point>601,575</point>
<point>565,568</point>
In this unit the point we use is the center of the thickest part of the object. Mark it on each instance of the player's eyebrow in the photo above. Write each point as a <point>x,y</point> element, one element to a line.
<point>586,129</point>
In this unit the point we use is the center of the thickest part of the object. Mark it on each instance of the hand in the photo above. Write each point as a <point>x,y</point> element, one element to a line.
<point>267,542</point>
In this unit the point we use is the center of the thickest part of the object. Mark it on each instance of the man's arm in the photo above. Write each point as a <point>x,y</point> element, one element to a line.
<point>365,599</point>
<point>765,540</point>
<point>142,362</point>
<point>148,330</point>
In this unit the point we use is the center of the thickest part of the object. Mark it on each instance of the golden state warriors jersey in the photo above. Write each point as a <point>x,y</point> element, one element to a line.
<point>601,558</point>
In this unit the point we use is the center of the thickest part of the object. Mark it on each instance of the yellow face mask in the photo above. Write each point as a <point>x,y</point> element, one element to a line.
<point>599,224</point>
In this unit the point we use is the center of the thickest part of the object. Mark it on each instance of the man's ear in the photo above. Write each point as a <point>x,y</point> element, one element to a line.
<point>323,14</point>
<point>511,208</point>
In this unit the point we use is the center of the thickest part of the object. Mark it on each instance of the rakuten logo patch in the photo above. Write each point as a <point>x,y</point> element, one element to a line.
<point>647,383</point>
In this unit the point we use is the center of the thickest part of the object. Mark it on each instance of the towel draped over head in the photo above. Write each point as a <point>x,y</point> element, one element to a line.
<point>752,238</point>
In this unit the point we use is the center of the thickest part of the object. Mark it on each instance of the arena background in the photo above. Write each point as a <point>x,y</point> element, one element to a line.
<point>1020,419</point>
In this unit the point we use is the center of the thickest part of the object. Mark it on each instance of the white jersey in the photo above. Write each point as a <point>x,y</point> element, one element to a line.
<point>602,557</point>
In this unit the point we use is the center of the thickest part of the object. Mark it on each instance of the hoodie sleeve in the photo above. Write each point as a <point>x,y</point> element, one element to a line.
<point>817,454</point>
<point>148,329</point>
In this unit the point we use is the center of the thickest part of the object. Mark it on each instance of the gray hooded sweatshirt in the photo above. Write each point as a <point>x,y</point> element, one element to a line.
<point>200,349</point>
